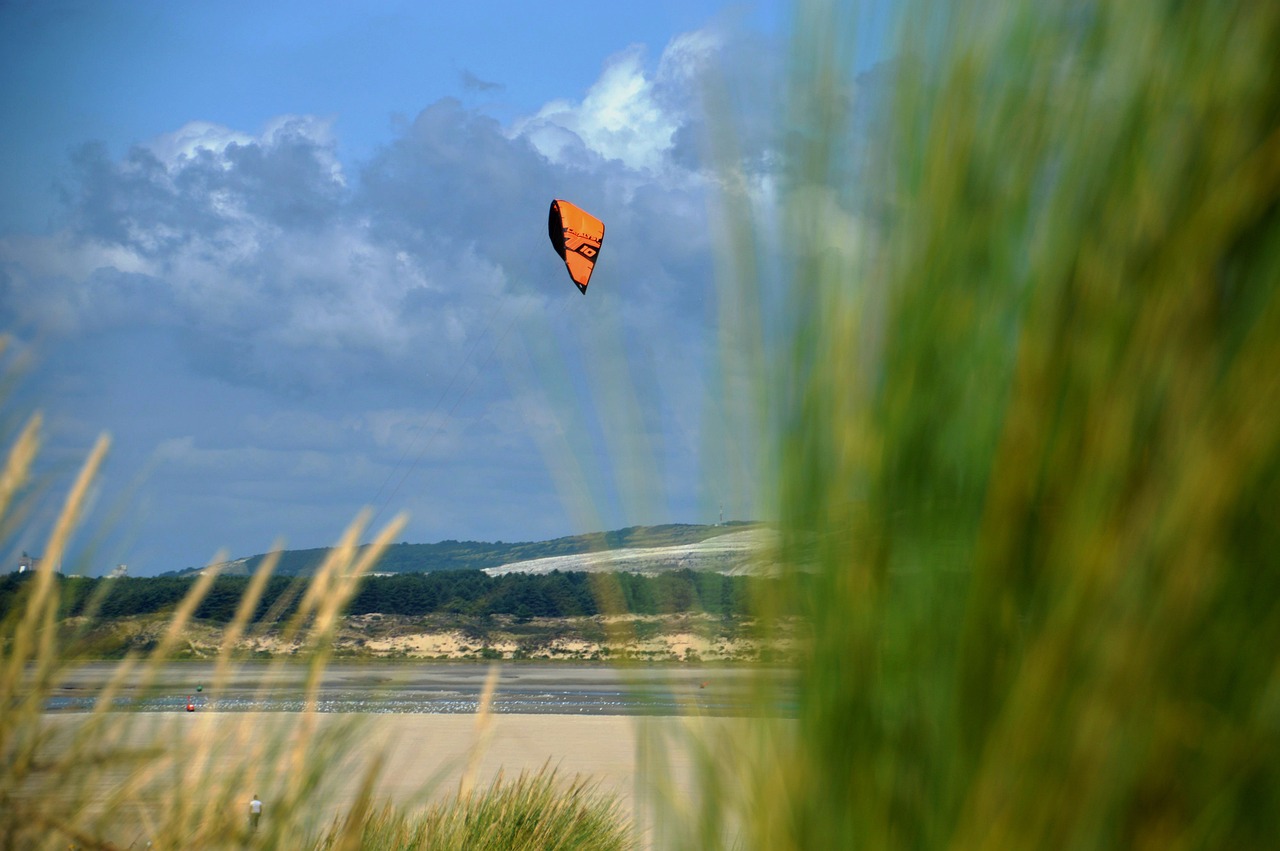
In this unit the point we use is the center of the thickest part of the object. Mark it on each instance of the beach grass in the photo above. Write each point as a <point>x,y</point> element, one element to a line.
<point>110,772</point>
<point>533,810</point>
<point>114,779</point>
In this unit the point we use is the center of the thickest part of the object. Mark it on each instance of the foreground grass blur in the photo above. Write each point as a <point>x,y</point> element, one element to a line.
<point>533,811</point>
<point>113,778</point>
<point>1028,431</point>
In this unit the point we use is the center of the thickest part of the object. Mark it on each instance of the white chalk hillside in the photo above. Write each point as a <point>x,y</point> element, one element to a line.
<point>734,553</point>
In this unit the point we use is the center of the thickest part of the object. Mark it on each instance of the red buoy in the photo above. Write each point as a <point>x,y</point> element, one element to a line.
<point>191,707</point>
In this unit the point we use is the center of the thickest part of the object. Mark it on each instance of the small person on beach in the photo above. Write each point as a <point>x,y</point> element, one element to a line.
<point>255,812</point>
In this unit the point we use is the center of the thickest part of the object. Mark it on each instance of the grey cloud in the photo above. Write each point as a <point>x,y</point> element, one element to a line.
<point>454,173</point>
<point>156,209</point>
<point>273,262</point>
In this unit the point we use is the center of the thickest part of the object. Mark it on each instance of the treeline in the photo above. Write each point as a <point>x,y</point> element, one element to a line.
<point>468,592</point>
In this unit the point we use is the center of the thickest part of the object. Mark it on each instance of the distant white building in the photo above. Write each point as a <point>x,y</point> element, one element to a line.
<point>30,564</point>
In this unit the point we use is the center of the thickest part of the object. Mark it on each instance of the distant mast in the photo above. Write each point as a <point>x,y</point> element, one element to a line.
<point>721,523</point>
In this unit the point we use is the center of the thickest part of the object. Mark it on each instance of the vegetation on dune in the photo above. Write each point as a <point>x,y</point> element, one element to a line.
<point>570,616</point>
<point>532,811</point>
<point>110,779</point>
<point>467,592</point>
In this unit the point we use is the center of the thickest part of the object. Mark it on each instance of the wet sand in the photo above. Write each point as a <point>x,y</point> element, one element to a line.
<point>437,687</point>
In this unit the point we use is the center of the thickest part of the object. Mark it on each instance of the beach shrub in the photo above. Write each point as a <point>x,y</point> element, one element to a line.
<point>534,811</point>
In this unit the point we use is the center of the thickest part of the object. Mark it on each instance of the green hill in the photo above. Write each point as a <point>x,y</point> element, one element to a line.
<point>477,555</point>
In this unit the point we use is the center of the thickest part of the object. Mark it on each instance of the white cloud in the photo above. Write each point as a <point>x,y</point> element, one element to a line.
<point>214,243</point>
<point>626,115</point>
<point>687,55</point>
<point>257,237</point>
<point>195,138</point>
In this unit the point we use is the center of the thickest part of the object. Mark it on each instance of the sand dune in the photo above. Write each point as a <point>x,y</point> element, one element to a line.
<point>735,553</point>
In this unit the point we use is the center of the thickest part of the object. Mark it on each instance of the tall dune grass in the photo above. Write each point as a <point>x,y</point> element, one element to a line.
<point>1028,439</point>
<point>532,811</point>
<point>89,779</point>
<point>114,779</point>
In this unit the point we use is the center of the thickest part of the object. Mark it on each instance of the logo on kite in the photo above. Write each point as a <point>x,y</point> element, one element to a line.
<point>576,236</point>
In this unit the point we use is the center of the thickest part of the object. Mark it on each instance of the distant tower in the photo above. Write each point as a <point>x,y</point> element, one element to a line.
<point>721,523</point>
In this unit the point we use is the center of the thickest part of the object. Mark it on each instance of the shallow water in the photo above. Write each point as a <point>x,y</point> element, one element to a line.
<point>434,689</point>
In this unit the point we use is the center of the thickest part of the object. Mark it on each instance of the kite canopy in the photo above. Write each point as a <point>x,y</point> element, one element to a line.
<point>576,236</point>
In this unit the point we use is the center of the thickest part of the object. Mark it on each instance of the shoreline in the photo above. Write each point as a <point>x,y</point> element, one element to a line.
<point>430,688</point>
<point>672,639</point>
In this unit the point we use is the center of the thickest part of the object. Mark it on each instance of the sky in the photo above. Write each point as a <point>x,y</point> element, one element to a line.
<point>292,258</point>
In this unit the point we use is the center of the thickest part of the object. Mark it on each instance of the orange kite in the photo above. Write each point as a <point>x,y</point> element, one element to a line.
<point>576,236</point>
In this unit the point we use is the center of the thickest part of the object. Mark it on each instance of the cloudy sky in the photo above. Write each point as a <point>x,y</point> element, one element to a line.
<point>292,258</point>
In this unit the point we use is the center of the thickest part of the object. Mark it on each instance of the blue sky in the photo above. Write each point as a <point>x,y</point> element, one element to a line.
<point>292,257</point>
<point>128,72</point>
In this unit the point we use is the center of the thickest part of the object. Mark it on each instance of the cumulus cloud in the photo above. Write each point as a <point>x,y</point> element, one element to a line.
<point>283,271</point>
<point>231,236</point>
<point>193,138</point>
<point>629,114</point>
<point>196,138</point>
<point>263,235</point>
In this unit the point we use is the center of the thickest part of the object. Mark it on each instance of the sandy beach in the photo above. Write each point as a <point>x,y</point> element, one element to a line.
<point>424,755</point>
<point>425,758</point>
